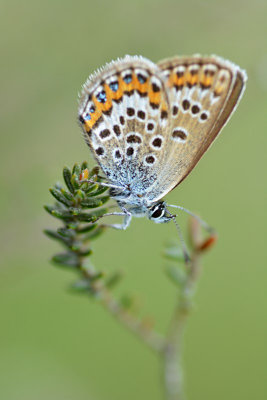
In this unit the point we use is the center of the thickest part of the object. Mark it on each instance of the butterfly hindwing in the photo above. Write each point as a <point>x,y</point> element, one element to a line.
<point>202,92</point>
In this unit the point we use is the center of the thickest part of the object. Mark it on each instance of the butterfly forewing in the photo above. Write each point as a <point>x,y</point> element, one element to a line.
<point>124,113</point>
<point>202,92</point>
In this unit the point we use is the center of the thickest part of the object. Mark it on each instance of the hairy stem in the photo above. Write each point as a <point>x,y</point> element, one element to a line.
<point>172,352</point>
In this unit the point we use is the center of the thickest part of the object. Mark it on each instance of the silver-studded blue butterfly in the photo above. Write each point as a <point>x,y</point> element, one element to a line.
<point>148,124</point>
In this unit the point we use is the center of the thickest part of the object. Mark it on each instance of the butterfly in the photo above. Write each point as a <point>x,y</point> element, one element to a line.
<point>149,124</point>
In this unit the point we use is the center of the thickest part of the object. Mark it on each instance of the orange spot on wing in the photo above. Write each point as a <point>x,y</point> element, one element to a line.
<point>164,106</point>
<point>94,117</point>
<point>187,77</point>
<point>105,106</point>
<point>174,80</point>
<point>125,87</point>
<point>206,81</point>
<point>118,94</point>
<point>218,90</point>
<point>154,97</point>
<point>181,81</point>
<point>87,125</point>
<point>100,107</point>
<point>192,79</point>
<point>141,87</point>
<point>109,92</point>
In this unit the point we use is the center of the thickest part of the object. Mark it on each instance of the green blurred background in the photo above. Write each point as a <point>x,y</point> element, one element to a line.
<point>59,346</point>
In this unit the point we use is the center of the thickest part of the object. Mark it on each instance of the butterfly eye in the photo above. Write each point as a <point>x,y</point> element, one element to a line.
<point>158,213</point>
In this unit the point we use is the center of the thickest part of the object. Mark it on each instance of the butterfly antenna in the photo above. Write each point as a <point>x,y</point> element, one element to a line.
<point>181,238</point>
<point>200,220</point>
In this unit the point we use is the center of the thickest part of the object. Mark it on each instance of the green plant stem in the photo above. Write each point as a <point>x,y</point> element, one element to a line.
<point>172,352</point>
<point>147,335</point>
<point>132,323</point>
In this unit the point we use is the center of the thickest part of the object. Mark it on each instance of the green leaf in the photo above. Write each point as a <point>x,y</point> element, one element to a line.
<point>76,169</point>
<point>52,234</point>
<point>81,286</point>
<point>56,236</point>
<point>72,225</point>
<point>93,216</point>
<point>97,276</point>
<point>68,259</point>
<point>127,301</point>
<point>174,253</point>
<point>89,187</point>
<point>80,194</point>
<point>114,279</point>
<point>100,212</point>
<point>94,203</point>
<point>65,232</point>
<point>95,233</point>
<point>58,186</point>
<point>67,179</point>
<point>99,190</point>
<point>176,275</point>
<point>87,228</point>
<point>75,181</point>
<point>83,217</point>
<point>75,210</point>
<point>84,165</point>
<point>67,194</point>
<point>94,172</point>
<point>49,208</point>
<point>70,208</point>
<point>64,215</point>
<point>59,196</point>
<point>76,246</point>
<point>85,253</point>
<point>104,199</point>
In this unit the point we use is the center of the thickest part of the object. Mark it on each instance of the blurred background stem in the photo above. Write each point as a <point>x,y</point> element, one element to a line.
<point>172,352</point>
<point>147,335</point>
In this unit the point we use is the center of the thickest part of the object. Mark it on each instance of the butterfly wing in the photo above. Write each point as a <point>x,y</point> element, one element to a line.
<point>124,112</point>
<point>203,92</point>
<point>148,125</point>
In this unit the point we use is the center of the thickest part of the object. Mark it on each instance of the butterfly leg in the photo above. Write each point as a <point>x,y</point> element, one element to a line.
<point>109,185</point>
<point>126,222</point>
